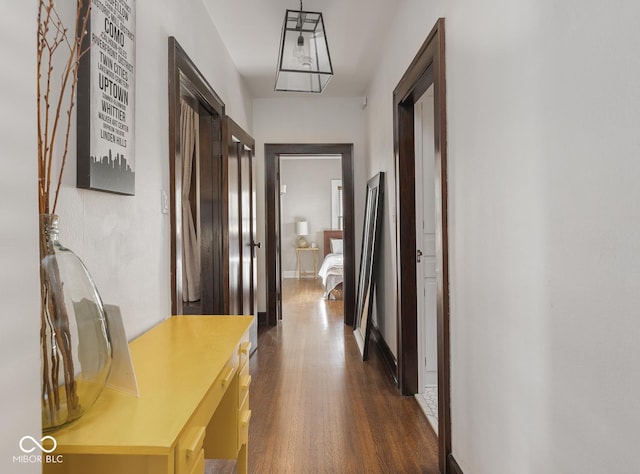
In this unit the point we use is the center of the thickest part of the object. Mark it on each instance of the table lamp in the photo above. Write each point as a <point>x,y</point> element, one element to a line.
<point>302,229</point>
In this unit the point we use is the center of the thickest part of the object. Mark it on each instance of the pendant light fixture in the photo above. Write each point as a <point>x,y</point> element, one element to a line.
<point>304,63</point>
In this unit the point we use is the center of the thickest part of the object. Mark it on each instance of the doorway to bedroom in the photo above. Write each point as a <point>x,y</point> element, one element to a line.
<point>309,227</point>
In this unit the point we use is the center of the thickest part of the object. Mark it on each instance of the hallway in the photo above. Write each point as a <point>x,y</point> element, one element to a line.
<point>318,408</point>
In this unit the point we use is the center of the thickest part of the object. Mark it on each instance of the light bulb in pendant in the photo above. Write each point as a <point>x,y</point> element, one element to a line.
<point>300,53</point>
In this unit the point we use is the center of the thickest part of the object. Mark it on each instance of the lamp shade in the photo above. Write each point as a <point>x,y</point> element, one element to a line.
<point>304,63</point>
<point>302,228</point>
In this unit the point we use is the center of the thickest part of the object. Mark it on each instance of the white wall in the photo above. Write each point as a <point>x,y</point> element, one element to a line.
<point>543,110</point>
<point>19,280</point>
<point>308,120</point>
<point>124,241</point>
<point>308,196</point>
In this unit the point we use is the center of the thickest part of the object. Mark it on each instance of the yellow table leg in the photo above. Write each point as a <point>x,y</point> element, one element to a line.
<point>243,460</point>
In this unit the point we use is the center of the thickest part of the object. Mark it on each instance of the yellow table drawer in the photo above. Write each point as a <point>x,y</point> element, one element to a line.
<point>212,399</point>
<point>243,351</point>
<point>243,427</point>
<point>190,450</point>
<point>245,381</point>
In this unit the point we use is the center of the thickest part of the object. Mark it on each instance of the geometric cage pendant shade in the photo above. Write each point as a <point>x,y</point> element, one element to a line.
<point>304,63</point>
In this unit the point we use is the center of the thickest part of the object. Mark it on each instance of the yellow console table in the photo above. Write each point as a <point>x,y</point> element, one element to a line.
<point>193,377</point>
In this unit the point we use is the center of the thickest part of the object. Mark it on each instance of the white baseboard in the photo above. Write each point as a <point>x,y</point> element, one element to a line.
<point>294,274</point>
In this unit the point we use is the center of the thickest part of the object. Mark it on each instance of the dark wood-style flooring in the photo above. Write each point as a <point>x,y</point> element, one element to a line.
<point>317,408</point>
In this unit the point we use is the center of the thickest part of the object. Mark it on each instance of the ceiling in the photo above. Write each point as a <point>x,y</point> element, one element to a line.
<point>355,30</point>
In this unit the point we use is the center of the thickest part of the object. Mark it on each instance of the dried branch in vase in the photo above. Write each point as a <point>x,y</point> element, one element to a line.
<point>56,49</point>
<point>54,42</point>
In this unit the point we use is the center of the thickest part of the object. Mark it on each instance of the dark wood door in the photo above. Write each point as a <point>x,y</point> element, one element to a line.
<point>234,231</point>
<point>242,246</point>
<point>248,243</point>
<point>207,192</point>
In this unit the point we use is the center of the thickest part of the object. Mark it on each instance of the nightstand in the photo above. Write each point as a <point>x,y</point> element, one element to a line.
<point>300,251</point>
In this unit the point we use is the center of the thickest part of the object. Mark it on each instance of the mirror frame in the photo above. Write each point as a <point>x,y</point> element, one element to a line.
<point>368,262</point>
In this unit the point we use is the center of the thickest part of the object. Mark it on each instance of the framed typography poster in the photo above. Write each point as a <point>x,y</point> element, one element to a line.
<point>106,105</point>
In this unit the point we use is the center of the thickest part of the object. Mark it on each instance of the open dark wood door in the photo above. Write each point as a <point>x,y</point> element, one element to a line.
<point>242,246</point>
<point>248,229</point>
<point>234,244</point>
<point>205,198</point>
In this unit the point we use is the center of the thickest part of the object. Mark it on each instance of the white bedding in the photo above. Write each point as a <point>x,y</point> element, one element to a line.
<point>331,272</point>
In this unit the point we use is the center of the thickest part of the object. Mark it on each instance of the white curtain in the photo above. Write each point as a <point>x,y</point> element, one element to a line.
<point>190,244</point>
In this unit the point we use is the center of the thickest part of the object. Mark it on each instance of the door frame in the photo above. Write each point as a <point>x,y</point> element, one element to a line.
<point>272,154</point>
<point>185,77</point>
<point>428,67</point>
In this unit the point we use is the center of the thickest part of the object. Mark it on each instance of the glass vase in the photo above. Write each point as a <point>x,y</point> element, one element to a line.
<point>74,335</point>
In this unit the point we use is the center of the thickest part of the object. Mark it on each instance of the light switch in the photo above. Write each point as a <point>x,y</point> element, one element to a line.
<point>164,202</point>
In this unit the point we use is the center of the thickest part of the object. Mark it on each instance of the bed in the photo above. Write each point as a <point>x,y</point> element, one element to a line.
<point>331,268</point>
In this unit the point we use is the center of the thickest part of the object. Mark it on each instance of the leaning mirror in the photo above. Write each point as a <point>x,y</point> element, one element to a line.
<point>368,262</point>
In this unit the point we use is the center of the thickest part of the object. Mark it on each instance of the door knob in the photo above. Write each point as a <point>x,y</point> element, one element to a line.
<point>255,244</point>
<point>419,254</point>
